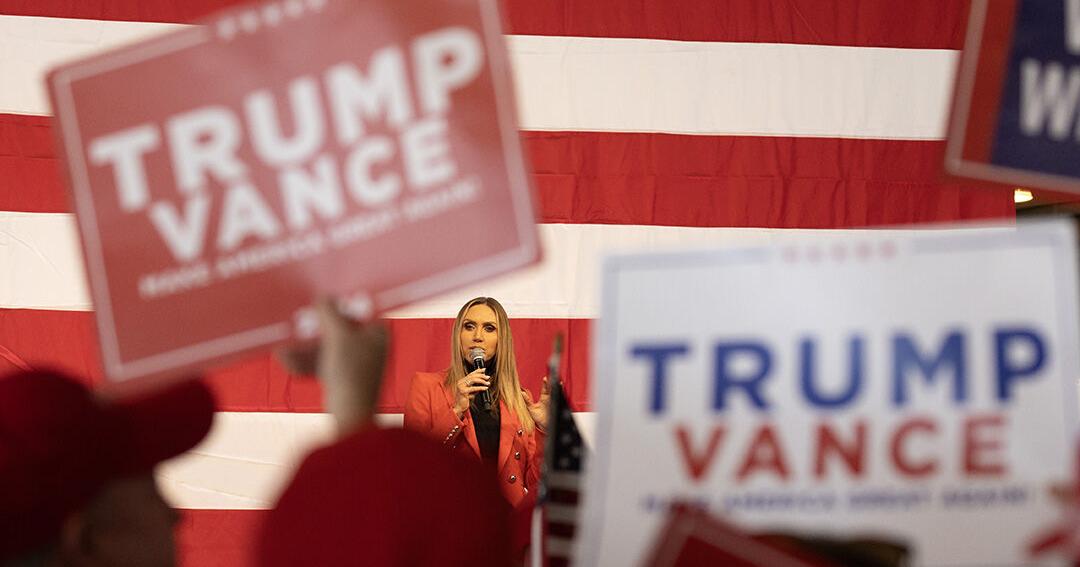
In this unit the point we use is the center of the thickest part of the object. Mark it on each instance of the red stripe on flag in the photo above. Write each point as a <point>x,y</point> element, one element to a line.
<point>217,538</point>
<point>66,340</point>
<point>749,181</point>
<point>164,11</point>
<point>658,179</point>
<point>561,530</point>
<point>931,24</point>
<point>29,172</point>
<point>562,496</point>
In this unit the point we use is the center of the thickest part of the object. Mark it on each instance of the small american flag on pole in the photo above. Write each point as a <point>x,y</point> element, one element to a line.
<point>560,486</point>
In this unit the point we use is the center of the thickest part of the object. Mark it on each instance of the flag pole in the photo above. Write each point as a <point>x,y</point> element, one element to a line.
<point>554,382</point>
<point>536,550</point>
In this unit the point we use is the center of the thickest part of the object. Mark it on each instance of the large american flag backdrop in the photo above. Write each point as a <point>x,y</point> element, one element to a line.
<point>648,124</point>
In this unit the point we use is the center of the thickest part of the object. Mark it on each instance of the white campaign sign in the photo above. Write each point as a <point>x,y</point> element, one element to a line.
<point>917,389</point>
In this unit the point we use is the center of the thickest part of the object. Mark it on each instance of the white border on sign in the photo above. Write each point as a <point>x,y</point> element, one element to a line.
<point>118,369</point>
<point>954,145</point>
<point>84,199</point>
<point>1057,234</point>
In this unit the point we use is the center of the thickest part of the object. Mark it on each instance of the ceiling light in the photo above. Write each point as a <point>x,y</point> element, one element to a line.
<point>1022,196</point>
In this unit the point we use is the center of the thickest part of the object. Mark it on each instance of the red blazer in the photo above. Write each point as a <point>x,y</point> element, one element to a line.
<point>429,410</point>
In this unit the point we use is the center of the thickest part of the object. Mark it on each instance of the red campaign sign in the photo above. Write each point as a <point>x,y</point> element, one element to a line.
<point>225,175</point>
<point>692,537</point>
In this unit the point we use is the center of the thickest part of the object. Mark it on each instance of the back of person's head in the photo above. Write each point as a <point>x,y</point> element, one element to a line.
<point>76,484</point>
<point>388,497</point>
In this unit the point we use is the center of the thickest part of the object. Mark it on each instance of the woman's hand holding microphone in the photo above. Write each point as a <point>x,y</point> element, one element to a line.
<point>472,384</point>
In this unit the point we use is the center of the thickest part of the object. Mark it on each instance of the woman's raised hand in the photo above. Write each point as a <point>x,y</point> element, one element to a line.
<point>472,384</point>
<point>538,410</point>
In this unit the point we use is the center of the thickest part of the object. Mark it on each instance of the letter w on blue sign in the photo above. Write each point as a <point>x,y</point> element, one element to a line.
<point>1037,125</point>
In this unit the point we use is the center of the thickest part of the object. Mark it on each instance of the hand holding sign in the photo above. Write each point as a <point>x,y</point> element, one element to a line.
<point>349,360</point>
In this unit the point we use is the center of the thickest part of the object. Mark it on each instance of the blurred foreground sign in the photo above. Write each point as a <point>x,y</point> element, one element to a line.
<point>1016,114</point>
<point>226,175</point>
<point>918,387</point>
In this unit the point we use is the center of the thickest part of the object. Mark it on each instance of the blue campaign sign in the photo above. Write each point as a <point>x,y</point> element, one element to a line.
<point>1037,125</point>
<point>1016,116</point>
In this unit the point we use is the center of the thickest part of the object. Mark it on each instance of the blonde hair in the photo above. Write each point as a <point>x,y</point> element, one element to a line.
<point>507,384</point>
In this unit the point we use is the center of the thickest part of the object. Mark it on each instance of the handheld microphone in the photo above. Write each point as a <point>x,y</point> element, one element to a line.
<point>477,356</point>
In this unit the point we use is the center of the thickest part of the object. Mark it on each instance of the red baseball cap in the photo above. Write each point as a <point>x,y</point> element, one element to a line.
<point>388,498</point>
<point>60,445</point>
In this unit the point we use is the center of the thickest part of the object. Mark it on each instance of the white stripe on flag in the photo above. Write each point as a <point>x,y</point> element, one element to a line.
<point>561,513</point>
<point>618,84</point>
<point>250,456</point>
<point>42,267</point>
<point>40,262</point>
<point>559,546</point>
<point>564,480</point>
<point>747,89</point>
<point>31,46</point>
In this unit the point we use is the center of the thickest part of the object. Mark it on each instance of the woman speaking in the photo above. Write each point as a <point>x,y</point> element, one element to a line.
<point>477,406</point>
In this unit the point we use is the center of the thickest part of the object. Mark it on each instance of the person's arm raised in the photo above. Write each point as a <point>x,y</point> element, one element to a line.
<point>350,360</point>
